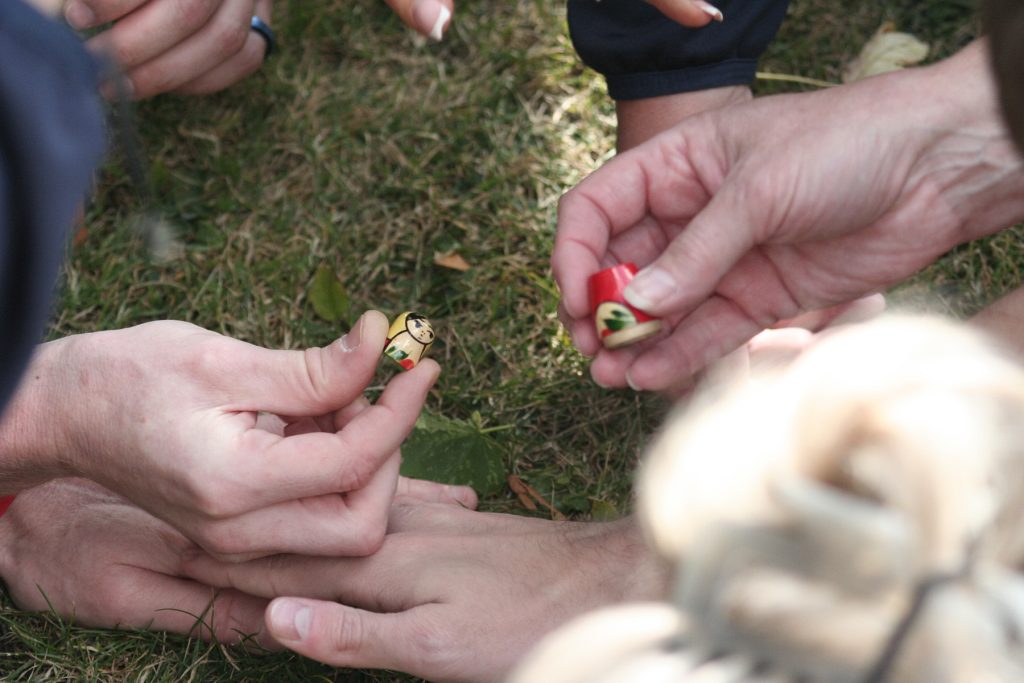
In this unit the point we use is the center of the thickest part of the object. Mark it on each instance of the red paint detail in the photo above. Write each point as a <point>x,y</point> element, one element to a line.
<point>5,502</point>
<point>609,284</point>
<point>407,363</point>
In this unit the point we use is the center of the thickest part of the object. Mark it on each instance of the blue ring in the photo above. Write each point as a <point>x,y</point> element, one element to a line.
<point>266,33</point>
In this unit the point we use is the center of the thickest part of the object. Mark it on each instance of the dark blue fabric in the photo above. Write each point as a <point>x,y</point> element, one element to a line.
<point>642,53</point>
<point>51,139</point>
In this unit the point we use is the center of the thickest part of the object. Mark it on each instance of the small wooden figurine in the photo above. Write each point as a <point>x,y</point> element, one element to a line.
<point>409,337</point>
<point>618,323</point>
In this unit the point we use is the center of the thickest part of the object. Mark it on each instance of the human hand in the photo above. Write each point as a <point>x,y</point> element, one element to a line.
<point>189,48</point>
<point>693,13</point>
<point>89,555</point>
<point>758,212</point>
<point>167,414</point>
<point>427,17</point>
<point>452,595</point>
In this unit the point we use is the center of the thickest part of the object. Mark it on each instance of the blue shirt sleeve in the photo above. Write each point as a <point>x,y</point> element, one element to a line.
<point>642,53</point>
<point>51,138</point>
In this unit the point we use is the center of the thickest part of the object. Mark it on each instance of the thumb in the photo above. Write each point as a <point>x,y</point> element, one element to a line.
<point>344,636</point>
<point>693,264</point>
<point>427,17</point>
<point>310,382</point>
<point>693,13</point>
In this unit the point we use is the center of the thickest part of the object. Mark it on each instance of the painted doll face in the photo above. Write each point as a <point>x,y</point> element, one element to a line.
<point>420,329</point>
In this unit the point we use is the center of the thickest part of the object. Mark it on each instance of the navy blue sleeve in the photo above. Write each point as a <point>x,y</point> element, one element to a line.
<point>51,138</point>
<point>642,53</point>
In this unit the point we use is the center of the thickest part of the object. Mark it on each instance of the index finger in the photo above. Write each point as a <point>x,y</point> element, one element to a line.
<point>277,468</point>
<point>82,14</point>
<point>655,182</point>
<point>152,29</point>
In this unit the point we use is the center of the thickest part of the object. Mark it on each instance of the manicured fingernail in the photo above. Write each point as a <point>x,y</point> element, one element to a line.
<point>290,620</point>
<point>650,287</point>
<point>710,9</point>
<point>431,18</point>
<point>350,342</point>
<point>79,15</point>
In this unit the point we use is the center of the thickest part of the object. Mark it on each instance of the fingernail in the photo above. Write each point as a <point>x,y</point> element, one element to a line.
<point>599,383</point>
<point>431,18</point>
<point>350,342</point>
<point>710,9</point>
<point>650,287</point>
<point>290,620</point>
<point>79,15</point>
<point>631,383</point>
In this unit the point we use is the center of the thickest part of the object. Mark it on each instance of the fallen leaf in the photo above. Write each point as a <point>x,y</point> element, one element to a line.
<point>329,298</point>
<point>519,488</point>
<point>454,452</point>
<point>888,50</point>
<point>603,511</point>
<point>453,261</point>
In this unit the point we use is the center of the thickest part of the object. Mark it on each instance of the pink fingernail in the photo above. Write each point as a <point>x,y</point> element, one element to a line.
<point>650,287</point>
<point>79,15</point>
<point>290,620</point>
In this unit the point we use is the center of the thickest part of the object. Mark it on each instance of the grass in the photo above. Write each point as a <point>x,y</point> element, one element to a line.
<point>366,151</point>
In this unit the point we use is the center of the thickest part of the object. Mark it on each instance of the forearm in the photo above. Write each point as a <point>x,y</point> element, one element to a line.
<point>625,568</point>
<point>640,120</point>
<point>32,426</point>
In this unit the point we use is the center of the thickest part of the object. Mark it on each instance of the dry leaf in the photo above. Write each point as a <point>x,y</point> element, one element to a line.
<point>519,488</point>
<point>888,50</point>
<point>525,492</point>
<point>452,260</point>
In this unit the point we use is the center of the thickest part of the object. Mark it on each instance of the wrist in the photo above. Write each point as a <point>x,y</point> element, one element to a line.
<point>635,569</point>
<point>971,159</point>
<point>33,427</point>
<point>640,120</point>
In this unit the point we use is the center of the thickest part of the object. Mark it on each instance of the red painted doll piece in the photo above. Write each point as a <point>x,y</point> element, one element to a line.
<point>618,324</point>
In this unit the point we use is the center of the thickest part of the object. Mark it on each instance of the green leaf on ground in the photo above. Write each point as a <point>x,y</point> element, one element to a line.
<point>454,452</point>
<point>603,510</point>
<point>330,300</point>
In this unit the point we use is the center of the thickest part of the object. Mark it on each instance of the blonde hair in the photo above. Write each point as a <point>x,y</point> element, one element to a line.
<point>852,517</point>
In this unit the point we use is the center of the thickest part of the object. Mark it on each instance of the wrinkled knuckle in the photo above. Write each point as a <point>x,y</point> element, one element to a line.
<point>367,537</point>
<point>346,632</point>
<point>230,37</point>
<point>194,13</point>
<point>209,359</point>
<point>316,371</point>
<point>211,499</point>
<point>435,644</point>
<point>219,541</point>
<point>357,474</point>
<point>226,625</point>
